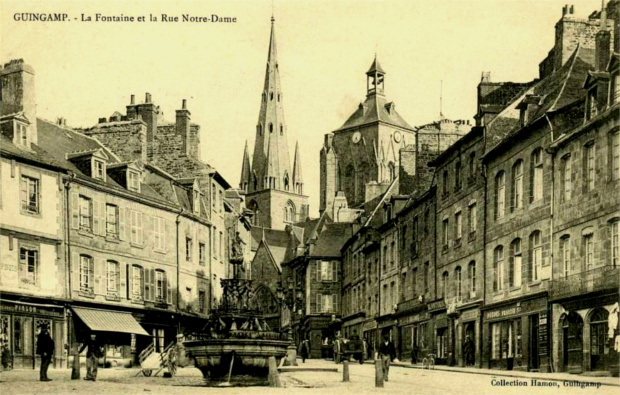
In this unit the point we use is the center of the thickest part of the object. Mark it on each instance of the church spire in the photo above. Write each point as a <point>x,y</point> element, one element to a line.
<point>246,170</point>
<point>271,162</point>
<point>298,180</point>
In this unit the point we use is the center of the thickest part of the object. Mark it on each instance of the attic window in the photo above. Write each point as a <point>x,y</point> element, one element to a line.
<point>133,181</point>
<point>98,169</point>
<point>21,134</point>
<point>592,109</point>
<point>196,201</point>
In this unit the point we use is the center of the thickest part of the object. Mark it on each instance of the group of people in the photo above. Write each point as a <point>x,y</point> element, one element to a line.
<point>46,347</point>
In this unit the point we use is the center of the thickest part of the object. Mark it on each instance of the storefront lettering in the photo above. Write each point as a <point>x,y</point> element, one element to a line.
<point>20,308</point>
<point>503,313</point>
<point>440,304</point>
<point>469,315</point>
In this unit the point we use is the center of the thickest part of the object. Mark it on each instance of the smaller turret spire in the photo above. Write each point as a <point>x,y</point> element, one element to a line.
<point>298,181</point>
<point>246,170</point>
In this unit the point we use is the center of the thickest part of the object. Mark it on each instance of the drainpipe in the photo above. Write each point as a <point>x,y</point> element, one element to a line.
<point>75,369</point>
<point>484,263</point>
<point>177,222</point>
<point>552,253</point>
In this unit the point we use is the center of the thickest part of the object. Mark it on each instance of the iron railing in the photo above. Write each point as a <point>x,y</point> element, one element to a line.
<point>599,279</point>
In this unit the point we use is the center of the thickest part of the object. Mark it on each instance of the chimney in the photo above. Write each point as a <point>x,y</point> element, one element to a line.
<point>183,129</point>
<point>602,45</point>
<point>132,112</point>
<point>18,94</point>
<point>148,112</point>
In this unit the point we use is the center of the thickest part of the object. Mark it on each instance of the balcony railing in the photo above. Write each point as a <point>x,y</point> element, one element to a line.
<point>410,304</point>
<point>599,279</point>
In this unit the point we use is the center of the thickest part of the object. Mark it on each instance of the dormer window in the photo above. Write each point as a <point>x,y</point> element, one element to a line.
<point>196,194</point>
<point>98,169</point>
<point>523,116</point>
<point>592,109</point>
<point>133,181</point>
<point>21,133</point>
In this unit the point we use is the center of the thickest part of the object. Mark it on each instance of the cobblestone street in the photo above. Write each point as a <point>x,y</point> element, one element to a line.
<point>403,380</point>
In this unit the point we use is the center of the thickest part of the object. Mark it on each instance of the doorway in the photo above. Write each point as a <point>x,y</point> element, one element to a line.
<point>534,361</point>
<point>599,347</point>
<point>572,343</point>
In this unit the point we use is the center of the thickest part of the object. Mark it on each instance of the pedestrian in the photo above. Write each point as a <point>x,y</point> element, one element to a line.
<point>468,351</point>
<point>92,357</point>
<point>387,353</point>
<point>305,350</point>
<point>45,348</point>
<point>414,354</point>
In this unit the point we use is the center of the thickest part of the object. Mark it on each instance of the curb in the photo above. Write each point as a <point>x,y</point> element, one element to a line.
<point>304,369</point>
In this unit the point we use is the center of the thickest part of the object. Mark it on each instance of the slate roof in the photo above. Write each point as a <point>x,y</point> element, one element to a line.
<point>331,239</point>
<point>374,109</point>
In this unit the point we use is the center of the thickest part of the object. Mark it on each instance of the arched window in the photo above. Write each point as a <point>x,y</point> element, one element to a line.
<point>500,194</point>
<point>253,206</point>
<point>271,96</point>
<point>536,175</point>
<point>392,170</point>
<point>444,285</point>
<point>514,264</point>
<point>264,96</point>
<point>459,284</point>
<point>279,96</point>
<point>516,195</point>
<point>498,268</point>
<point>289,212</point>
<point>599,346</point>
<point>270,127</point>
<point>259,129</point>
<point>286,182</point>
<point>535,255</point>
<point>471,276</point>
<point>281,130</point>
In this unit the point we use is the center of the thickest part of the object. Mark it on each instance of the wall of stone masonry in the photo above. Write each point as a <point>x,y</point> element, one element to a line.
<point>127,139</point>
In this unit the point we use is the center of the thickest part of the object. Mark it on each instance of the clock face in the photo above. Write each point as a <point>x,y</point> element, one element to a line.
<point>397,137</point>
<point>357,136</point>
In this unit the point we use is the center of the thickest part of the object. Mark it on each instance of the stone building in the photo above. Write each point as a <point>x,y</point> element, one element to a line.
<point>585,231</point>
<point>274,190</point>
<point>33,275</point>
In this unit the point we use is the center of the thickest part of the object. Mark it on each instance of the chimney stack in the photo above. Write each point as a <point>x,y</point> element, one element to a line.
<point>18,93</point>
<point>183,129</point>
<point>148,98</point>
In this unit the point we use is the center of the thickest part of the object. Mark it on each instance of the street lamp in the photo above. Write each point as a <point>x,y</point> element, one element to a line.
<point>288,296</point>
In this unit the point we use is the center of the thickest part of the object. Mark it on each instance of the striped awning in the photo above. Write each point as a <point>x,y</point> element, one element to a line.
<point>109,321</point>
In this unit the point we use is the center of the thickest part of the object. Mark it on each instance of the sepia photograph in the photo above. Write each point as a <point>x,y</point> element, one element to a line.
<point>309,197</point>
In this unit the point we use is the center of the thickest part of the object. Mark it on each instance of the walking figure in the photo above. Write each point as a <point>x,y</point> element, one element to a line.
<point>92,357</point>
<point>305,350</point>
<point>45,348</point>
<point>387,353</point>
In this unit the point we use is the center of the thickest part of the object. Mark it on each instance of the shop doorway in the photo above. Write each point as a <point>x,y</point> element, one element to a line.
<point>572,343</point>
<point>469,344</point>
<point>599,348</point>
<point>534,360</point>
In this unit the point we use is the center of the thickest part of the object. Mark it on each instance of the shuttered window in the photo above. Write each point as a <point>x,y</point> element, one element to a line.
<point>87,274</point>
<point>113,278</point>
<point>29,195</point>
<point>136,227</point>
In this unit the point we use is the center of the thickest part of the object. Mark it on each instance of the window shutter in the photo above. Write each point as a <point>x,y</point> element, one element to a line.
<point>167,230</point>
<point>100,286</point>
<point>312,274</point>
<point>102,218</point>
<point>119,276</point>
<point>96,217</point>
<point>91,274</point>
<point>149,223</point>
<point>153,281</point>
<point>168,290</point>
<point>495,274</point>
<point>143,273</point>
<point>319,303</point>
<point>511,271</point>
<point>165,288</point>
<point>319,269</point>
<point>146,283</point>
<point>532,186</point>
<point>513,190</point>
<point>335,303</point>
<point>122,227</point>
<point>334,265</point>
<point>75,271</point>
<point>129,280</point>
<point>75,210</point>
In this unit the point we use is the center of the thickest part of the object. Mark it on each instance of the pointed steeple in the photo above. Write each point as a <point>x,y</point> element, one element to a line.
<point>298,180</point>
<point>246,170</point>
<point>271,161</point>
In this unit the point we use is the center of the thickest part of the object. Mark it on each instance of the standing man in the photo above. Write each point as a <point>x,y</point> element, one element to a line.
<point>305,350</point>
<point>92,357</point>
<point>45,348</point>
<point>387,353</point>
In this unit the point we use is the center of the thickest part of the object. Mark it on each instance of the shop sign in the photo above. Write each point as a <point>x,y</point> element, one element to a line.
<point>501,313</point>
<point>413,318</point>
<point>469,315</point>
<point>369,325</point>
<point>30,309</point>
<point>437,305</point>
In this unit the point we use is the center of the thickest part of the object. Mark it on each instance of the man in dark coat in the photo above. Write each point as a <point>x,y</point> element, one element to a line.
<point>92,357</point>
<point>468,351</point>
<point>387,353</point>
<point>45,348</point>
<point>305,350</point>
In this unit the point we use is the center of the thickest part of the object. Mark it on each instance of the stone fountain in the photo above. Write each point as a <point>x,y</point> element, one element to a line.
<point>236,339</point>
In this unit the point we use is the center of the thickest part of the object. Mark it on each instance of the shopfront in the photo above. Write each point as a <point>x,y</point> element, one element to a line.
<point>371,336</point>
<point>516,336</point>
<point>388,325</point>
<point>468,337</point>
<point>21,323</point>
<point>414,336</point>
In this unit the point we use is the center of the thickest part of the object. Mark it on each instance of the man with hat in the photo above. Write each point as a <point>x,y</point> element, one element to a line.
<point>45,348</point>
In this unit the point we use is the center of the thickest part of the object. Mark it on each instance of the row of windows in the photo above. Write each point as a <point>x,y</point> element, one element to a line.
<point>460,291</point>
<point>259,129</point>
<point>586,250</point>
<point>458,176</point>
<point>472,224</point>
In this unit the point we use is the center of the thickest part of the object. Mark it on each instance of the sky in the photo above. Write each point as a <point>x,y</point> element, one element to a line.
<point>88,70</point>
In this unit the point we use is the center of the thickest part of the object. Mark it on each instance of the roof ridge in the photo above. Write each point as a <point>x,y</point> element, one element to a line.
<point>570,70</point>
<point>381,201</point>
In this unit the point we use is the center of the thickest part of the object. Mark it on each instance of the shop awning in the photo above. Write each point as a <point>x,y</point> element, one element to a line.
<point>109,321</point>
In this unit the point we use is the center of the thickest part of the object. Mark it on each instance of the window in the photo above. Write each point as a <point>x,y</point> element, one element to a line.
<point>459,284</point>
<point>445,183</point>
<point>458,219</point>
<point>615,155</point>
<point>159,233</point>
<point>425,278</point>
<point>588,244</point>
<point>22,134</point>
<point>281,127</point>
<point>392,253</point>
<point>514,264</point>
<point>201,253</point>
<point>196,200</point>
<point>444,285</point>
<point>498,269</point>
<point>113,277</point>
<point>517,186</point>
<point>29,195</point>
<point>327,269</point>
<point>536,175</point>
<point>592,109</point>
<point>28,266</point>
<point>589,166</point>
<point>566,178</point>
<point>87,271</point>
<point>271,124</point>
<point>473,221</point>
<point>134,181</point>
<point>536,255</point>
<point>86,213</point>
<point>136,227</point>
<point>98,169</point>
<point>615,235</point>
<point>500,194</point>
<point>201,301</point>
<point>565,255</point>
<point>160,285</point>
<point>426,221</point>
<point>457,175</point>
<point>259,127</point>
<point>326,303</point>
<point>495,340</point>
<point>137,282</point>
<point>189,297</point>
<point>414,281</point>
<point>471,274</point>
<point>615,88</point>
<point>213,196</point>
<point>472,166</point>
<point>289,212</point>
<point>188,249</point>
<point>221,201</point>
<point>414,237</point>
<point>445,229</point>
<point>111,220</point>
